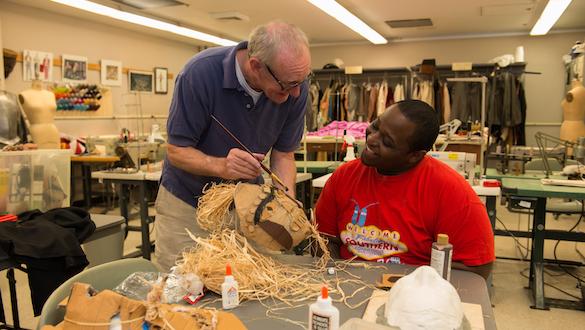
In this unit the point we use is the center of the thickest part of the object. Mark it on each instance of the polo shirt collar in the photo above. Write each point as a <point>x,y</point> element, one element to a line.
<point>230,80</point>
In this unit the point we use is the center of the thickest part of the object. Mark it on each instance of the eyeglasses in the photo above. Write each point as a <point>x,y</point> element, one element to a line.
<point>286,86</point>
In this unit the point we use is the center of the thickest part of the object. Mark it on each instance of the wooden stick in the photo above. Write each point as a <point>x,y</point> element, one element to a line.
<point>272,175</point>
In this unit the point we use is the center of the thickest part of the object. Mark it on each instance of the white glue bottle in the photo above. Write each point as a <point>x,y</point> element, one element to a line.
<point>441,255</point>
<point>322,314</point>
<point>229,290</point>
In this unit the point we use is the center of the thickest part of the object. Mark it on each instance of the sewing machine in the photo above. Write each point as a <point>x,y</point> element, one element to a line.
<point>463,163</point>
<point>138,150</point>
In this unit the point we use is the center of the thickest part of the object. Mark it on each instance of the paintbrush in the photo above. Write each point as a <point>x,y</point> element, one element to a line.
<point>274,177</point>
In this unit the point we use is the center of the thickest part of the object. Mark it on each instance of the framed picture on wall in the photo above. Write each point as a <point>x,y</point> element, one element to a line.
<point>37,65</point>
<point>161,80</point>
<point>140,81</point>
<point>74,68</point>
<point>111,73</point>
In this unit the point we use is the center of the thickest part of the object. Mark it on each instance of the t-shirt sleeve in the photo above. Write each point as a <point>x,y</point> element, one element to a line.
<point>292,131</point>
<point>464,218</point>
<point>190,109</point>
<point>327,208</point>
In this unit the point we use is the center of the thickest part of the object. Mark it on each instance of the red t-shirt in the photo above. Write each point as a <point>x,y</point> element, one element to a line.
<point>396,218</point>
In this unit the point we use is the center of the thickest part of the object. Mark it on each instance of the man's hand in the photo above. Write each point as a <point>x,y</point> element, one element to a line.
<point>238,164</point>
<point>241,165</point>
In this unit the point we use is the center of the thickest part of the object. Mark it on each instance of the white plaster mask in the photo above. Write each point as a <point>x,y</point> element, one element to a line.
<point>424,300</point>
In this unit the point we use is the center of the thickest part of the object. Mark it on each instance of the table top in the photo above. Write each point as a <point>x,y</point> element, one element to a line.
<point>112,175</point>
<point>317,166</point>
<point>480,190</point>
<point>470,286</point>
<point>94,159</point>
<point>155,176</point>
<point>492,173</point>
<point>534,188</point>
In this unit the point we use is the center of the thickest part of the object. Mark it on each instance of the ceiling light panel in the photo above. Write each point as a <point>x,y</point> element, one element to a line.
<point>337,11</point>
<point>145,21</point>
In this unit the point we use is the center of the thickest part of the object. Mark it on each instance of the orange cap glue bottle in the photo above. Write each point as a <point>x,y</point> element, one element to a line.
<point>229,290</point>
<point>322,314</point>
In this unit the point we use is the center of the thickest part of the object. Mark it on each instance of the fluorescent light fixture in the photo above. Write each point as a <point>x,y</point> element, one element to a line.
<point>341,14</point>
<point>551,13</point>
<point>144,21</point>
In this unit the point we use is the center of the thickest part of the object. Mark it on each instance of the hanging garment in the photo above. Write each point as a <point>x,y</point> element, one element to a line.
<point>474,100</point>
<point>390,97</point>
<point>362,115</point>
<point>324,108</point>
<point>343,101</point>
<point>312,107</point>
<point>520,129</point>
<point>459,109</point>
<point>438,99</point>
<point>399,93</point>
<point>504,104</point>
<point>353,101</point>
<point>446,103</point>
<point>382,96</point>
<point>372,103</point>
<point>416,91</point>
<point>426,92</point>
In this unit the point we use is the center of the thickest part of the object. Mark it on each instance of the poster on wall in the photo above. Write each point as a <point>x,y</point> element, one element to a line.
<point>140,81</point>
<point>160,84</point>
<point>74,68</point>
<point>111,73</point>
<point>37,65</point>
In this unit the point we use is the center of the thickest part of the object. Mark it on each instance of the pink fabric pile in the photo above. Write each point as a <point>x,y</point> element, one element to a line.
<point>355,128</point>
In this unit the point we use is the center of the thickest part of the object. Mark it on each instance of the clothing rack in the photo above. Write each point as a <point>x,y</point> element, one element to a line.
<point>368,75</point>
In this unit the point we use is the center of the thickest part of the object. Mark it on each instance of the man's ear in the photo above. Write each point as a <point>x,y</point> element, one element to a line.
<point>255,63</point>
<point>569,97</point>
<point>416,156</point>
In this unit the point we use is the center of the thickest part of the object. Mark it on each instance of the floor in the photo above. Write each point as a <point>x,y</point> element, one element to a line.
<point>510,298</point>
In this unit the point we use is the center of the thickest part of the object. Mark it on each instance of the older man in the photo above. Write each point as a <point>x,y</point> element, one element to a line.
<point>258,90</point>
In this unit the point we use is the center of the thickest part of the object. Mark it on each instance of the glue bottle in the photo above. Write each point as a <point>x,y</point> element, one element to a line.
<point>229,290</point>
<point>322,314</point>
<point>441,255</point>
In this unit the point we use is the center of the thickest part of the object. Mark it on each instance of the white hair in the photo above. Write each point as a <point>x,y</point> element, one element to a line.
<point>265,41</point>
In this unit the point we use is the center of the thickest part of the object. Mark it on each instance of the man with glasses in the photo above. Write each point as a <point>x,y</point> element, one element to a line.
<point>258,90</point>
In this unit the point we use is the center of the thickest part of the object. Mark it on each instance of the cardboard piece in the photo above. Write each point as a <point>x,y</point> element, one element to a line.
<point>388,280</point>
<point>86,307</point>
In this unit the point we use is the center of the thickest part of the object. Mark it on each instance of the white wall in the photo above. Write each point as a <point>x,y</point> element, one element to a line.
<point>30,28</point>
<point>35,29</point>
<point>544,92</point>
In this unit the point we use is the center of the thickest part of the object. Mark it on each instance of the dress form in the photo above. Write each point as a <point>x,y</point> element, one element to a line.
<point>39,106</point>
<point>573,104</point>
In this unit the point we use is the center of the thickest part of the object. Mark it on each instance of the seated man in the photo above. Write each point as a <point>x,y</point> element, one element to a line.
<point>390,205</point>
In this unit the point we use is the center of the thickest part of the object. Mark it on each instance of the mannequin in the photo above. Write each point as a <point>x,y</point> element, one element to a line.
<point>573,105</point>
<point>39,106</point>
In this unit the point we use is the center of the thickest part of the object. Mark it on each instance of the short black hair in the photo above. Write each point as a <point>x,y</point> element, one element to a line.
<point>426,121</point>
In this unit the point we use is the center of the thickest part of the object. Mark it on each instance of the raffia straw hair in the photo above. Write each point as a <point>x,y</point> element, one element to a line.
<point>259,276</point>
<point>214,205</point>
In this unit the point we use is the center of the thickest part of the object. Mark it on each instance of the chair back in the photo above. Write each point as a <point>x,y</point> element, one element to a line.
<point>101,277</point>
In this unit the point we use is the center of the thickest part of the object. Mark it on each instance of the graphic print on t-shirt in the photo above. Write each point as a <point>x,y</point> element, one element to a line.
<point>370,242</point>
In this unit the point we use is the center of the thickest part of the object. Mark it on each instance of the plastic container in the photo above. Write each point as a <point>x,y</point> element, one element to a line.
<point>34,179</point>
<point>229,290</point>
<point>322,314</point>
<point>441,255</point>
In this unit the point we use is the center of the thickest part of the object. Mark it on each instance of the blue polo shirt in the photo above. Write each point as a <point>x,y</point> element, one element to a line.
<point>208,85</point>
